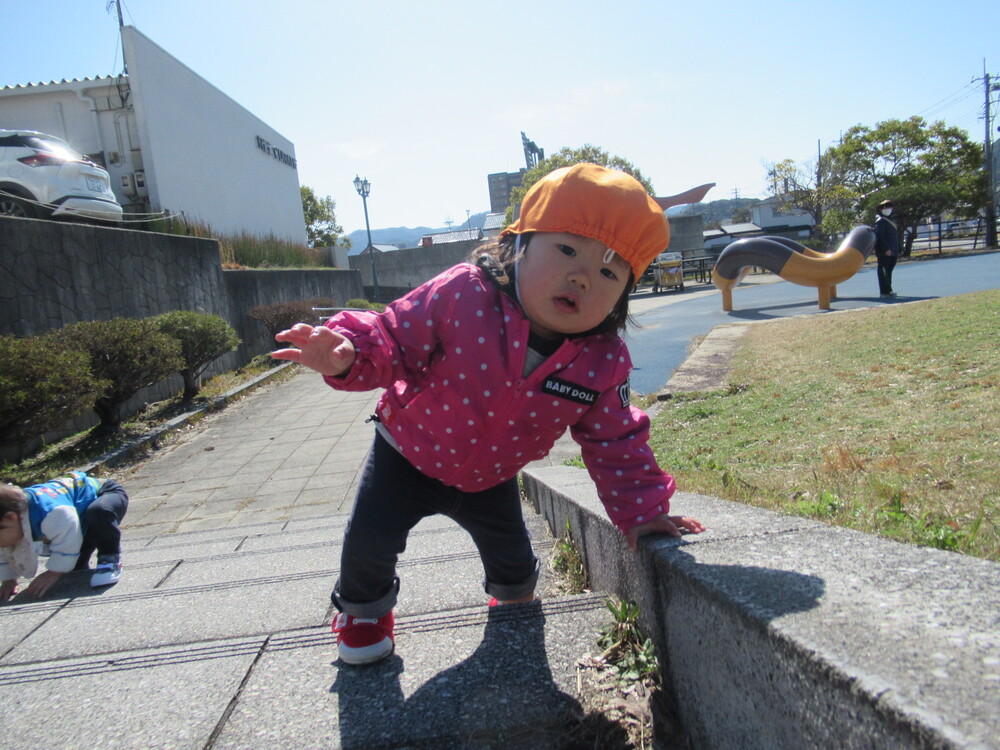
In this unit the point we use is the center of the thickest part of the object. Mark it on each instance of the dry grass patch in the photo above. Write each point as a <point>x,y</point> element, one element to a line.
<point>883,420</point>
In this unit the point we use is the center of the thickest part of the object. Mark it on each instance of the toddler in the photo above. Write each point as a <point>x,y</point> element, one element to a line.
<point>485,366</point>
<point>66,518</point>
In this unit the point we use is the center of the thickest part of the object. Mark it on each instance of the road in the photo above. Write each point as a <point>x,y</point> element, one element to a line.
<point>668,323</point>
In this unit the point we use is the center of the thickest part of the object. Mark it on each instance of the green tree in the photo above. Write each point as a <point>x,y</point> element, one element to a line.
<point>321,221</point>
<point>567,157</point>
<point>811,188</point>
<point>924,169</point>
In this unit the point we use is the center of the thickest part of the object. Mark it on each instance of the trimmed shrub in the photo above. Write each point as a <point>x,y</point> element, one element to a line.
<point>128,354</point>
<point>204,337</point>
<point>279,316</point>
<point>42,386</point>
<point>363,304</point>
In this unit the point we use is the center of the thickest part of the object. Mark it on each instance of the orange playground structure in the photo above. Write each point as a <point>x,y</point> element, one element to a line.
<point>793,262</point>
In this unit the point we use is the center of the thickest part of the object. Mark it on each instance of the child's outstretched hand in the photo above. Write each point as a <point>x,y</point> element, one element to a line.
<point>662,524</point>
<point>317,347</point>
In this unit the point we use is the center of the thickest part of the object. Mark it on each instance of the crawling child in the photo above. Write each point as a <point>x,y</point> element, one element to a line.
<point>67,518</point>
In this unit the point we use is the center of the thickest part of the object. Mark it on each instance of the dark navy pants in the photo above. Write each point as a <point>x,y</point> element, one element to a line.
<point>100,522</point>
<point>392,498</point>
<point>884,273</point>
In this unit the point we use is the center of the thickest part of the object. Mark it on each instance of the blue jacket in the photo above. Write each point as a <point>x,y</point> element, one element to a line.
<point>77,489</point>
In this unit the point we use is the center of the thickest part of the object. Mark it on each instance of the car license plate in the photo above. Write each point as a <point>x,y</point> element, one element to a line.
<point>95,184</point>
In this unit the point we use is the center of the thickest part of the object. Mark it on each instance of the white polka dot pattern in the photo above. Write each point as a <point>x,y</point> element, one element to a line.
<point>450,354</point>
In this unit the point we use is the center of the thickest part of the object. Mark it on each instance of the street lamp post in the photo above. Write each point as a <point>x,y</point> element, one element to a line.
<point>364,188</point>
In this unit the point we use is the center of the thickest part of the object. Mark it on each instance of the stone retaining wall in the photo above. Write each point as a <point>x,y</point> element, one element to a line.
<point>56,273</point>
<point>775,631</point>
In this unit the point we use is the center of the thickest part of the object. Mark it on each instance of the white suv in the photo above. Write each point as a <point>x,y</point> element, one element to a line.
<point>42,176</point>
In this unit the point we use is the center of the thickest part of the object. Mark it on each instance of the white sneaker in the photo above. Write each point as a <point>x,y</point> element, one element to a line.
<point>107,572</point>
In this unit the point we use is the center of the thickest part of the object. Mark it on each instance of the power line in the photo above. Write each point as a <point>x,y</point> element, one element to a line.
<point>968,90</point>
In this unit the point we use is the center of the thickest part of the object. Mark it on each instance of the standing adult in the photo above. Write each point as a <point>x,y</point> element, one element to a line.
<point>887,247</point>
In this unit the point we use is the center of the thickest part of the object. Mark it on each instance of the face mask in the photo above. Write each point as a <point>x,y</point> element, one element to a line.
<point>887,212</point>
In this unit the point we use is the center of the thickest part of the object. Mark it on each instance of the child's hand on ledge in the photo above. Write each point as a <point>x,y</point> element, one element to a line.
<point>663,524</point>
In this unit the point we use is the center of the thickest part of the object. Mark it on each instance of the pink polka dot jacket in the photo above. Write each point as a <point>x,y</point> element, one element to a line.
<point>450,355</point>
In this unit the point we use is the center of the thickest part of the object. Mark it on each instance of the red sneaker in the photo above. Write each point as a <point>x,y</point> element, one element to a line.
<point>363,641</point>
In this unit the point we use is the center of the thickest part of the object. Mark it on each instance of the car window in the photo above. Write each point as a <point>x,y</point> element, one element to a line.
<point>54,146</point>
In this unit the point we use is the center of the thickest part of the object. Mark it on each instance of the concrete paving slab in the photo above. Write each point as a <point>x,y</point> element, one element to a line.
<point>165,616</point>
<point>17,622</point>
<point>75,585</point>
<point>164,698</point>
<point>464,678</point>
<point>308,510</point>
<point>23,616</point>
<point>180,540</point>
<point>245,565</point>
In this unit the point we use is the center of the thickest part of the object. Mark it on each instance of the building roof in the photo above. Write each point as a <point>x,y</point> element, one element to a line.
<point>741,228</point>
<point>459,235</point>
<point>378,249</point>
<point>493,222</point>
<point>71,83</point>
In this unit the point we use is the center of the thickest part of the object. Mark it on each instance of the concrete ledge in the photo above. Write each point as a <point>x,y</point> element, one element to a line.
<point>779,632</point>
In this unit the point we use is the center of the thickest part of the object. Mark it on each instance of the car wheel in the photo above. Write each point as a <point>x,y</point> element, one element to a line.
<point>12,205</point>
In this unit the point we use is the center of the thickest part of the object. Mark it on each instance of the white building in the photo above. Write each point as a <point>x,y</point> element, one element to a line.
<point>171,141</point>
<point>771,215</point>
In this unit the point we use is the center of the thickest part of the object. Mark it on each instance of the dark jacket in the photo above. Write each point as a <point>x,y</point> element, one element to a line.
<point>886,237</point>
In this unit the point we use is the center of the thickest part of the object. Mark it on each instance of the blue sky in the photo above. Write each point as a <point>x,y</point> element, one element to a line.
<point>425,99</point>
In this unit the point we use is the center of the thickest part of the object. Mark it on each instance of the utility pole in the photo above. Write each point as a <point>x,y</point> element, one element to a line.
<point>819,186</point>
<point>121,25</point>
<point>991,214</point>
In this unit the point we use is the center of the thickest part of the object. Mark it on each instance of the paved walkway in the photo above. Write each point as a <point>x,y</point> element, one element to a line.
<point>218,634</point>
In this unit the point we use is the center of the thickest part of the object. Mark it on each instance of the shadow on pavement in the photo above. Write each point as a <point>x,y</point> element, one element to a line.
<point>847,303</point>
<point>473,702</point>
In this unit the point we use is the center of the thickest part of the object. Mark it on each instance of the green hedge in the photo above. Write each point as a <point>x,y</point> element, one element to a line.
<point>127,354</point>
<point>43,385</point>
<point>203,338</point>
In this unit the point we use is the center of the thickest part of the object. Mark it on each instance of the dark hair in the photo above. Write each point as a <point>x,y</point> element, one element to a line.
<point>499,258</point>
<point>12,500</point>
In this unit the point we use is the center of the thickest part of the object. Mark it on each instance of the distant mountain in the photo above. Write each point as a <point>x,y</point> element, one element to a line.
<point>713,213</point>
<point>408,236</point>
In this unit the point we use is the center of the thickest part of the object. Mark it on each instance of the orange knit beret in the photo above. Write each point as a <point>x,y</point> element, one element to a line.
<point>604,204</point>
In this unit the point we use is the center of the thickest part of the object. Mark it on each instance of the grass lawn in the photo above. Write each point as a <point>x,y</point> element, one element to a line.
<point>883,420</point>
